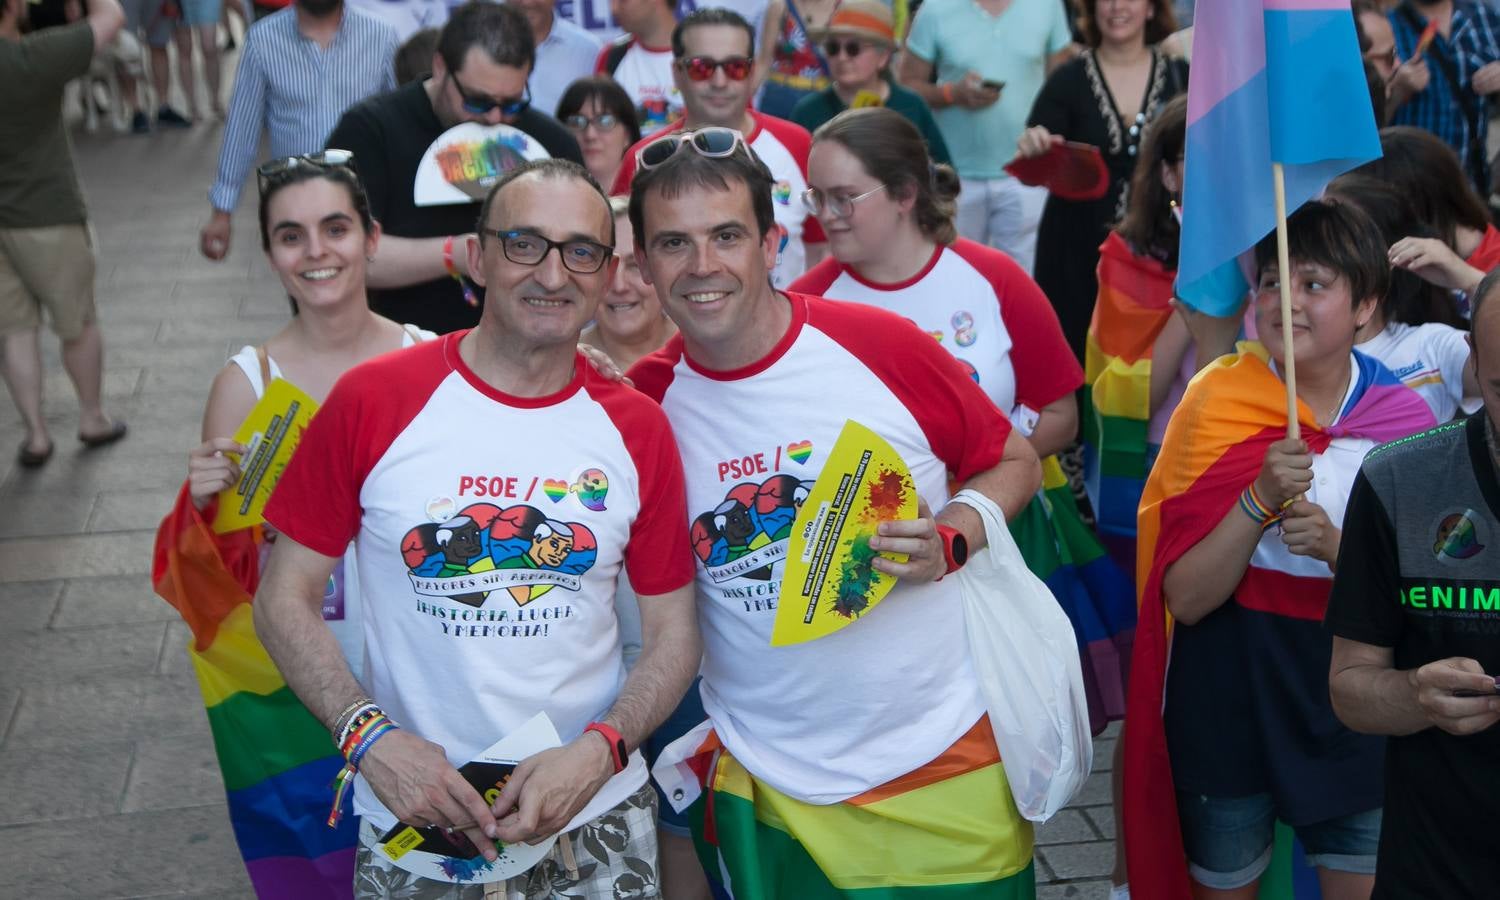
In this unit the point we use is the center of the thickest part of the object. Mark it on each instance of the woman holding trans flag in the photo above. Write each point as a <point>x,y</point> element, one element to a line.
<point>1239,531</point>
<point>278,760</point>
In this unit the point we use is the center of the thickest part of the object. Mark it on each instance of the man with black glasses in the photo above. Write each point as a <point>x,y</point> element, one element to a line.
<point>479,74</point>
<point>713,54</point>
<point>487,593</point>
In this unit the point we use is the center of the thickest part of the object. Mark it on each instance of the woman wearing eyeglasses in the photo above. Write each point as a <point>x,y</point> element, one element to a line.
<point>601,116</point>
<point>1104,97</point>
<point>888,213</point>
<point>858,44</point>
<point>318,235</point>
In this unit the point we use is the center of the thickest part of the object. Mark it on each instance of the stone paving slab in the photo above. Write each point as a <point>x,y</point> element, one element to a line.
<point>94,674</point>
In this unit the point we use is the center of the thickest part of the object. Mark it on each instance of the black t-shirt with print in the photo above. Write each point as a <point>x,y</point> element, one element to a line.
<point>1419,572</point>
<point>388,135</point>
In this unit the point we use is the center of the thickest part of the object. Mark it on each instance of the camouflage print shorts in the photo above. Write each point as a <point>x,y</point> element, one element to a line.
<point>614,856</point>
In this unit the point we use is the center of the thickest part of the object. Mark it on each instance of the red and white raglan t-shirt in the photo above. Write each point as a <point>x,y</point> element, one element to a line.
<point>491,531</point>
<point>981,307</point>
<point>828,719</point>
<point>646,75</point>
<point>783,146</point>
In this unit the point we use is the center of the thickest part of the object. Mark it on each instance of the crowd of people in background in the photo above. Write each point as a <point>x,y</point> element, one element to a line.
<point>729,186</point>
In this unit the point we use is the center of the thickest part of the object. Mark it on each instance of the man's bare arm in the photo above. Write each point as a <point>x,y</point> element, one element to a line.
<point>402,262</point>
<point>1371,696</point>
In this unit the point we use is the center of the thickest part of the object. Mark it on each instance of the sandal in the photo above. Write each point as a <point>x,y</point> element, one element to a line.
<point>115,432</point>
<point>31,459</point>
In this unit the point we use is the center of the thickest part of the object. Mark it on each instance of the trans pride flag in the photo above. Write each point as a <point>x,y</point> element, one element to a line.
<point>1273,81</point>
<point>278,760</point>
<point>1232,411</point>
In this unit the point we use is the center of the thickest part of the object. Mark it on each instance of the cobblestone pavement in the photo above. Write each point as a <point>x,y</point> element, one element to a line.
<point>108,783</point>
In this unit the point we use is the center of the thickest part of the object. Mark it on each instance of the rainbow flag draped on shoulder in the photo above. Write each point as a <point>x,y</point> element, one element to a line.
<point>1232,411</point>
<point>1133,305</point>
<point>946,831</point>
<point>277,759</point>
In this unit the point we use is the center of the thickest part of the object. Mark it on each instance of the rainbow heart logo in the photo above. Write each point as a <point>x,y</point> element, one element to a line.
<point>555,489</point>
<point>799,451</point>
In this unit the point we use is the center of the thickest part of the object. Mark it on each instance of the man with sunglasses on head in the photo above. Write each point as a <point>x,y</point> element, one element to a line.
<point>487,599</point>
<point>479,74</point>
<point>714,53</point>
<point>855,740</point>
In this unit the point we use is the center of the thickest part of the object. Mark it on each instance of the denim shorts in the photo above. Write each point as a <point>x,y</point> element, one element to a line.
<point>1228,839</point>
<point>200,12</point>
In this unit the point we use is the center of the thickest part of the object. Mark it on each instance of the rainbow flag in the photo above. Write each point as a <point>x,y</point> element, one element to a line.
<point>1232,411</point>
<point>1273,80</point>
<point>1060,548</point>
<point>1133,305</point>
<point>946,831</point>
<point>278,760</point>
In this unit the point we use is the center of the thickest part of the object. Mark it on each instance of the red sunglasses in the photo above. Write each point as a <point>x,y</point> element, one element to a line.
<point>701,68</point>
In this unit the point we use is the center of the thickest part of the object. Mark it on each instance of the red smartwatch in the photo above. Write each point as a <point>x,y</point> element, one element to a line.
<point>955,547</point>
<point>617,752</point>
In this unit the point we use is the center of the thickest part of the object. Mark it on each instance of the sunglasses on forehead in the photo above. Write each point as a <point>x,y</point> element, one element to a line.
<point>714,142</point>
<point>701,68</point>
<point>331,158</point>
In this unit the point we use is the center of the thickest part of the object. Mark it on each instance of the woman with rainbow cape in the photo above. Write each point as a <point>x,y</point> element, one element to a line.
<point>1237,536</point>
<point>898,249</point>
<point>277,759</point>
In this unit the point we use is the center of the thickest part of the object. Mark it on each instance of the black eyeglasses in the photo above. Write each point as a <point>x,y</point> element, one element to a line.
<point>850,48</point>
<point>479,104</point>
<point>529,249</point>
<point>714,142</point>
<point>579,122</point>
<point>331,158</point>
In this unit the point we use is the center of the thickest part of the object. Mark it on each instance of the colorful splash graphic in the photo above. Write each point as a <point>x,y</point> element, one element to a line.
<point>1457,536</point>
<point>799,451</point>
<point>472,166</point>
<point>460,870</point>
<point>830,578</point>
<point>591,488</point>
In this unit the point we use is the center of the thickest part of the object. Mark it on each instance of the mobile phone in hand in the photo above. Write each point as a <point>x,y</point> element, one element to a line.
<point>1466,692</point>
<point>992,85</point>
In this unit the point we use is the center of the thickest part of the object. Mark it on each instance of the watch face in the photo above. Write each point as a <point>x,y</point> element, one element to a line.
<point>960,549</point>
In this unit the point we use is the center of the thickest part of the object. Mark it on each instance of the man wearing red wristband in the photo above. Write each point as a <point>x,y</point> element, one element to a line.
<point>496,489</point>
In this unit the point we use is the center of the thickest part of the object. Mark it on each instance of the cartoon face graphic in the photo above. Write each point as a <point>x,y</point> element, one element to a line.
<point>550,544</point>
<point>591,487</point>
<point>750,518</point>
<point>459,538</point>
<point>1457,537</point>
<point>732,520</point>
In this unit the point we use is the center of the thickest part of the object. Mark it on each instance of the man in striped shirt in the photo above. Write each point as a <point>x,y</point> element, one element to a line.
<point>301,68</point>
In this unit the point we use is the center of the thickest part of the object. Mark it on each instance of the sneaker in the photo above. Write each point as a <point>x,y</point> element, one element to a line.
<point>139,124</point>
<point>169,116</point>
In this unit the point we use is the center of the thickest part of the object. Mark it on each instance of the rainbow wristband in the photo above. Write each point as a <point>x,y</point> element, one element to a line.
<point>1257,509</point>
<point>359,743</point>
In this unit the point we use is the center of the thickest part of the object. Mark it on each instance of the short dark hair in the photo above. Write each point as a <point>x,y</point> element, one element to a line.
<point>688,169</point>
<point>1337,235</point>
<point>1487,286</point>
<point>342,176</point>
<point>561,169</point>
<point>1158,28</point>
<point>414,57</point>
<point>606,92</point>
<point>1149,226</point>
<point>1427,171</point>
<point>894,153</point>
<point>711,15</point>
<point>497,29</point>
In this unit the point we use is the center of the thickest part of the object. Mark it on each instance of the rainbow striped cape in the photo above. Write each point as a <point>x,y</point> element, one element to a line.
<point>1060,548</point>
<point>947,831</point>
<point>1232,411</point>
<point>277,759</point>
<point>1133,305</point>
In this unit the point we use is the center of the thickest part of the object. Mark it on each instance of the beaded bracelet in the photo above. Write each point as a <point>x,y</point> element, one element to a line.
<point>1257,509</point>
<point>350,717</point>
<point>355,747</point>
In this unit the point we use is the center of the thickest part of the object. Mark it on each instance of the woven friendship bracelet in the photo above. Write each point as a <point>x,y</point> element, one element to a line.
<point>1257,509</point>
<point>354,749</point>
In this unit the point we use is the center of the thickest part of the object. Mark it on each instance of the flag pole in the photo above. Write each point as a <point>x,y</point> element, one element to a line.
<point>1284,266</point>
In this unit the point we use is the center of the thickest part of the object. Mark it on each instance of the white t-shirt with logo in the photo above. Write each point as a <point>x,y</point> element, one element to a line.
<point>491,531</point>
<point>783,146</point>
<point>829,719</point>
<point>981,307</point>
<point>646,75</point>
<point>1430,360</point>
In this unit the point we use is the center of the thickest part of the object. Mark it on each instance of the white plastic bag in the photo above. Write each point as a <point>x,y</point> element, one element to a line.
<point>1026,657</point>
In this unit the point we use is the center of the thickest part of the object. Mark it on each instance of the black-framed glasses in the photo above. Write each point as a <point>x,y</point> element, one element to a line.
<point>529,249</point>
<point>838,206</point>
<point>479,104</point>
<point>714,142</point>
<point>604,122</point>
<point>850,48</point>
<point>332,158</point>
